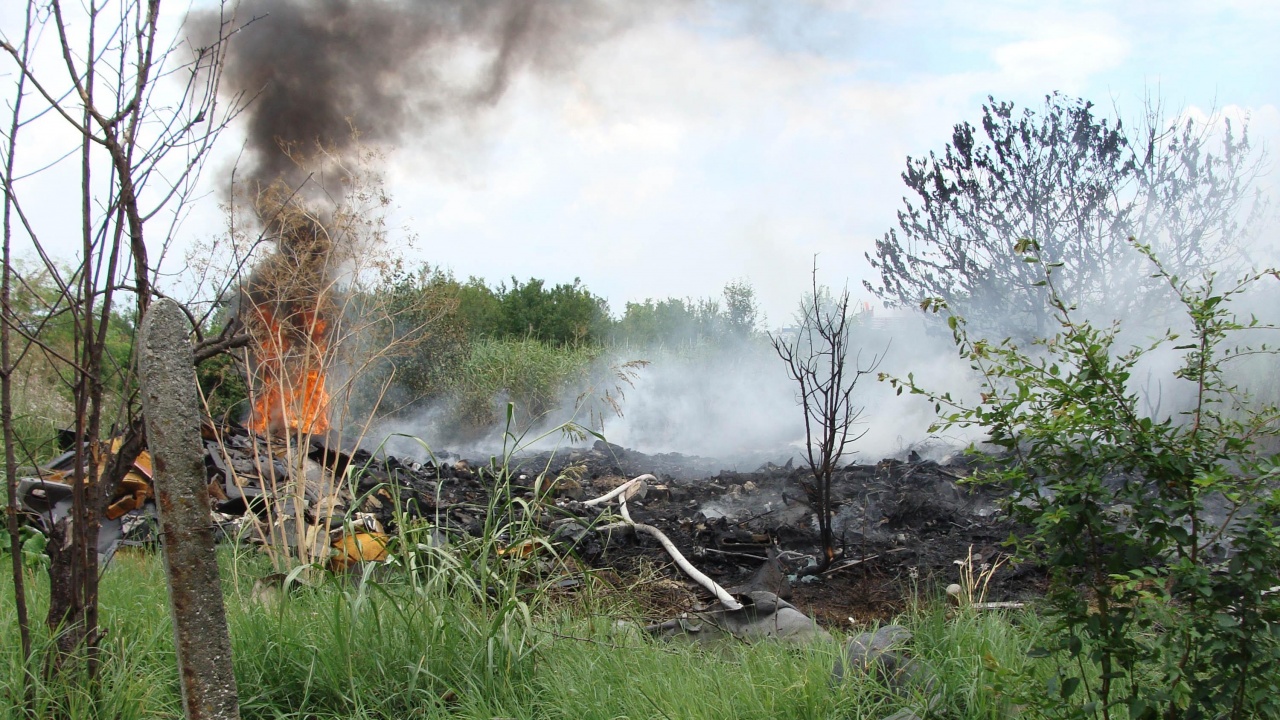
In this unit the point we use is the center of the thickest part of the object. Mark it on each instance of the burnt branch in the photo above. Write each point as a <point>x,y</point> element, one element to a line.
<point>233,336</point>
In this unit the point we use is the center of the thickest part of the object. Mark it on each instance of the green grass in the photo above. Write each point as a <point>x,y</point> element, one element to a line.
<point>399,649</point>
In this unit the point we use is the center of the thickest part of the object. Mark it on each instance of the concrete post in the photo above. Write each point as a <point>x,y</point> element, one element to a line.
<point>171,409</point>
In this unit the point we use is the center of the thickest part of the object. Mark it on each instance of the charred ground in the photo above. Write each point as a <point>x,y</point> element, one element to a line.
<point>903,524</point>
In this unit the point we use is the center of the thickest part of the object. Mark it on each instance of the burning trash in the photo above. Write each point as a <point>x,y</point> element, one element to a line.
<point>289,309</point>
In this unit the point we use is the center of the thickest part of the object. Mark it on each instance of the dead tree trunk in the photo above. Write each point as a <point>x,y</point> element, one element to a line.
<point>817,356</point>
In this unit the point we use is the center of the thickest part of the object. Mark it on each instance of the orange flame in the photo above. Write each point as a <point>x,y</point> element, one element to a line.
<point>291,392</point>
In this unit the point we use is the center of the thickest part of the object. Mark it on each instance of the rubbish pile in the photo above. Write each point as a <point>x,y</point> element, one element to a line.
<point>898,522</point>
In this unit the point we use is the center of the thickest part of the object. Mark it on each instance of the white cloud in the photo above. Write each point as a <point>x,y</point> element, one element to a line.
<point>1064,62</point>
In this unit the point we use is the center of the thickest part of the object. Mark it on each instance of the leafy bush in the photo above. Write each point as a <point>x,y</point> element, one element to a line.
<point>223,387</point>
<point>31,545</point>
<point>1158,607</point>
<point>533,375</point>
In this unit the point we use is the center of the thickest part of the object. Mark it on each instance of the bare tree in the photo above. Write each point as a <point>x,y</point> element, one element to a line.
<point>817,356</point>
<point>144,110</point>
<point>6,380</point>
<point>1080,185</point>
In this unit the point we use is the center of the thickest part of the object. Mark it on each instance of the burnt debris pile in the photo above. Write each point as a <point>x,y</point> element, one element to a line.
<point>902,525</point>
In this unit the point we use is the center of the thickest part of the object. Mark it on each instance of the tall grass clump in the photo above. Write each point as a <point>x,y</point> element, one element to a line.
<point>138,677</point>
<point>980,656</point>
<point>533,375</point>
<point>445,625</point>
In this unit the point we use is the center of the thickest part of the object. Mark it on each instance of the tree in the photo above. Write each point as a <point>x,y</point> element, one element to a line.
<point>651,323</point>
<point>143,113</point>
<point>688,322</point>
<point>479,309</point>
<point>561,315</point>
<point>1078,185</point>
<point>423,332</point>
<point>741,311</point>
<point>817,359</point>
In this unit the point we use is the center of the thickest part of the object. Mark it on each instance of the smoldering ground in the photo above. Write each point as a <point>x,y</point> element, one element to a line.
<point>731,401</point>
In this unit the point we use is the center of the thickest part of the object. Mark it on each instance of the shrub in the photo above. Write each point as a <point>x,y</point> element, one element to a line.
<point>1159,608</point>
<point>533,375</point>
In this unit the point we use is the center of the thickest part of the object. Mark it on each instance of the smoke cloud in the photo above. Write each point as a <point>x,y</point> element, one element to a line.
<point>733,401</point>
<point>318,69</point>
<point>737,403</point>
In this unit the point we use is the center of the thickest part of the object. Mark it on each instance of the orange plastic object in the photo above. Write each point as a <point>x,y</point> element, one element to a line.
<point>358,547</point>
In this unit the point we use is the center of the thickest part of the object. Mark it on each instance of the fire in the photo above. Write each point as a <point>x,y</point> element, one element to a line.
<point>288,306</point>
<point>290,358</point>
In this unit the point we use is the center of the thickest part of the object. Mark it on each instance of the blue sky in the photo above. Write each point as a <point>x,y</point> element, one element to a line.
<point>737,140</point>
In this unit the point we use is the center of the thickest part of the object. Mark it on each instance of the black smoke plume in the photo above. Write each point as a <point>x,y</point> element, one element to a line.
<point>317,69</point>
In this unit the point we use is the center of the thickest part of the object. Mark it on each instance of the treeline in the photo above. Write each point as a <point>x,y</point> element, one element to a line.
<point>428,339</point>
<point>432,340</point>
<point>566,313</point>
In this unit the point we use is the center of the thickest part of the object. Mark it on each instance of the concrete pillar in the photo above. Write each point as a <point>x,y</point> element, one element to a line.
<point>170,406</point>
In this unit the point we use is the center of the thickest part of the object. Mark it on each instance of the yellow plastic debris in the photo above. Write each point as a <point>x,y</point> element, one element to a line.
<point>358,547</point>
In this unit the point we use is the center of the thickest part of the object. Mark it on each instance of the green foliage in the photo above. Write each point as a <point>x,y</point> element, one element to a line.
<point>741,311</point>
<point>562,315</point>
<point>45,319</point>
<point>1159,607</point>
<point>222,384</point>
<point>414,336</point>
<point>36,435</point>
<point>479,309</point>
<point>44,335</point>
<point>534,375</point>
<point>478,347</point>
<point>651,323</point>
<point>30,543</point>
<point>687,323</point>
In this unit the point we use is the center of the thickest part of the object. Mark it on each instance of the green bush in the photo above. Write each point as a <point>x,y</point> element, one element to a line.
<point>222,384</point>
<point>30,543</point>
<point>534,375</point>
<point>1157,607</point>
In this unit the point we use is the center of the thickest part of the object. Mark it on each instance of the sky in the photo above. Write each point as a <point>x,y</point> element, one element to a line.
<point>715,142</point>
<point>681,157</point>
